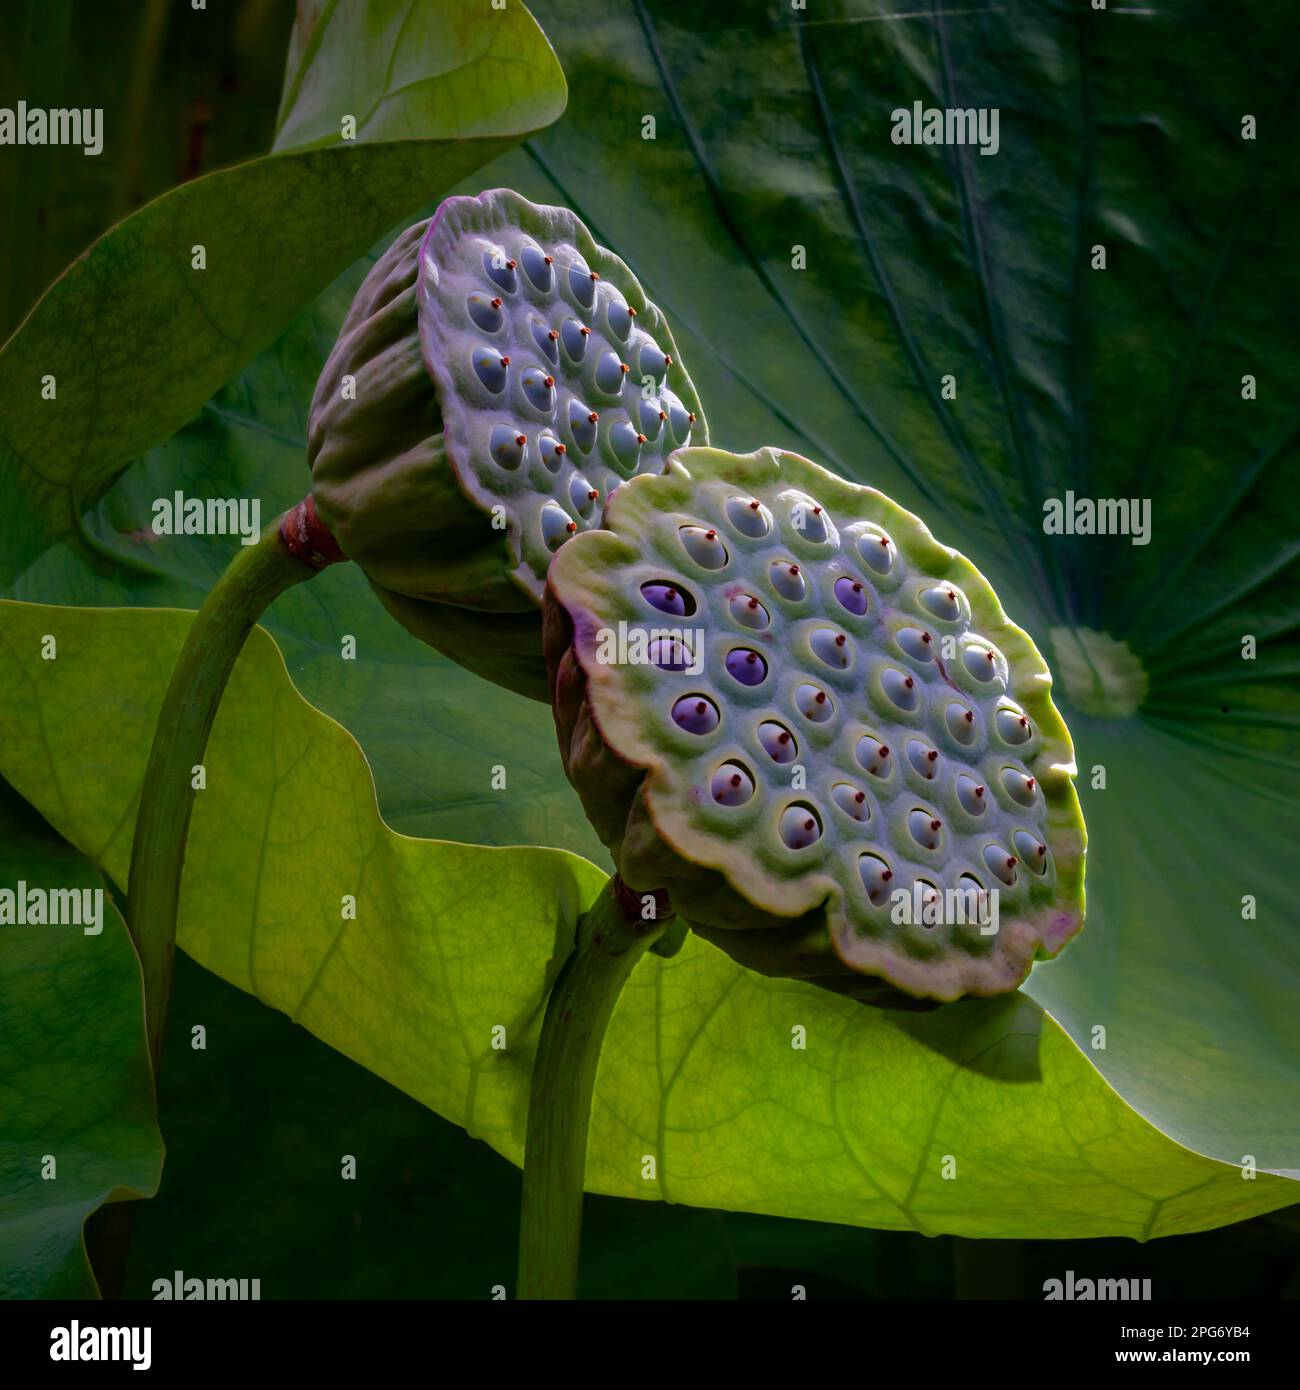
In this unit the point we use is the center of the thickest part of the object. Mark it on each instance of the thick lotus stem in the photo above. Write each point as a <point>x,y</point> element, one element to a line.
<point>612,937</point>
<point>297,548</point>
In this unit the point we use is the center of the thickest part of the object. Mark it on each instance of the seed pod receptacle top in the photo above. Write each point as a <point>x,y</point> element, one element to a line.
<point>783,701</point>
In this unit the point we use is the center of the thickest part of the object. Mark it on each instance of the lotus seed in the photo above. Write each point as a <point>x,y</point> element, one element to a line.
<point>537,267</point>
<point>1000,863</point>
<point>778,742</point>
<point>499,270</point>
<point>924,828</point>
<point>900,688</point>
<point>732,785</point>
<point>748,612</point>
<point>583,286</point>
<point>876,875</point>
<point>831,647</point>
<point>800,826</point>
<point>1013,727</point>
<point>943,602</point>
<point>813,704</point>
<point>491,366</point>
<point>924,760</point>
<point>961,723</point>
<point>852,801</point>
<point>609,373</point>
<point>787,580</point>
<point>669,598</point>
<point>971,795</point>
<point>507,446</point>
<point>573,336</point>
<point>852,595</point>
<point>696,714</point>
<point>485,312</point>
<point>915,643</point>
<point>704,547</point>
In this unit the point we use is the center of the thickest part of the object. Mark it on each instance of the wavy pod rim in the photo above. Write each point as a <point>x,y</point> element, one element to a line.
<point>644,777</point>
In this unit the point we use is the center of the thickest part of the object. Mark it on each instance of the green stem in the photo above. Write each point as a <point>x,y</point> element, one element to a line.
<point>257,575</point>
<point>610,942</point>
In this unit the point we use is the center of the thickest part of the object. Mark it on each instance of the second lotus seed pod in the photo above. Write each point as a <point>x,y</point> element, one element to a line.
<point>784,702</point>
<point>499,374</point>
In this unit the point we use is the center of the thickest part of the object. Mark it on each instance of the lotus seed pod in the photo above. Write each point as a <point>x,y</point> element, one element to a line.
<point>498,375</point>
<point>869,789</point>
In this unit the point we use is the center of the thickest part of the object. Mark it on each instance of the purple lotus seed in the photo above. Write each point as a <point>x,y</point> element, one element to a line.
<point>943,601</point>
<point>573,336</point>
<point>678,420</point>
<point>809,520</point>
<point>800,826</point>
<point>981,663</point>
<point>506,445</point>
<point>748,612</point>
<point>670,653</point>
<point>652,361</point>
<point>961,723</point>
<point>619,318</point>
<point>626,443</point>
<point>582,425</point>
<point>582,285</point>
<point>852,595</point>
<point>651,418</point>
<point>609,373</point>
<point>539,388</point>
<point>1032,851</point>
<point>732,785</point>
<point>697,714</point>
<point>490,367</point>
<point>1000,863</point>
<point>746,666</point>
<point>582,495</point>
<point>557,526</point>
<point>669,598</point>
<point>551,450</point>
<point>537,266</point>
<point>485,311</point>
<point>874,756</point>
<point>778,742</point>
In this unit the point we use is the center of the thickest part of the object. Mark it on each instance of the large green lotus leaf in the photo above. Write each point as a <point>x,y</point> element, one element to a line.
<point>136,339</point>
<point>76,1087</point>
<point>982,1119</point>
<point>926,261</point>
<point>254,1180</point>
